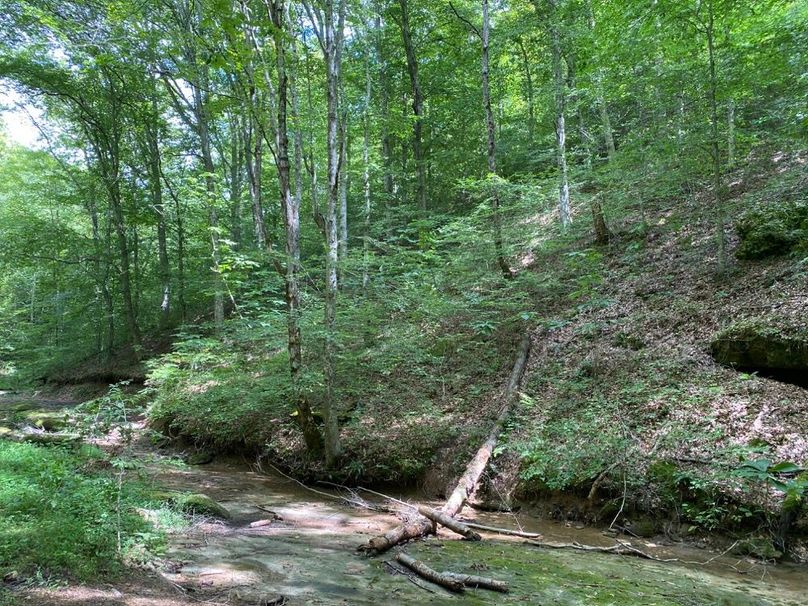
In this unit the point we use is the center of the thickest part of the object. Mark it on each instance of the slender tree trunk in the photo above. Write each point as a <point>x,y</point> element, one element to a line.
<point>291,218</point>
<point>731,132</point>
<point>714,143</point>
<point>491,147</point>
<point>605,121</point>
<point>332,48</point>
<point>237,157</point>
<point>366,175</point>
<point>202,121</point>
<point>344,154</point>
<point>384,108</point>
<point>560,107</point>
<point>254,163</point>
<point>531,115</point>
<point>156,187</point>
<point>417,107</point>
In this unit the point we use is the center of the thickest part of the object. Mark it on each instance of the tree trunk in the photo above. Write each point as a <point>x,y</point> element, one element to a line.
<point>366,176</point>
<point>731,132</point>
<point>156,188</point>
<point>237,157</point>
<point>333,22</point>
<point>291,219</point>
<point>714,143</point>
<point>384,103</point>
<point>344,153</point>
<point>531,117</point>
<point>491,147</point>
<point>417,107</point>
<point>602,235</point>
<point>254,162</point>
<point>564,210</point>
<point>606,123</point>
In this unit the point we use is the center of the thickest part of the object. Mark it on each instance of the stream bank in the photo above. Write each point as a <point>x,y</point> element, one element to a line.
<point>307,555</point>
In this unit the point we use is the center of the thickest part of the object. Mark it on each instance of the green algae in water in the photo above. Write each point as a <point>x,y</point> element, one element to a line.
<point>573,578</point>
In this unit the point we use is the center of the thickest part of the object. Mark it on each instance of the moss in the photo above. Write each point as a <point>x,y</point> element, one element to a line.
<point>772,229</point>
<point>566,577</point>
<point>49,421</point>
<point>200,504</point>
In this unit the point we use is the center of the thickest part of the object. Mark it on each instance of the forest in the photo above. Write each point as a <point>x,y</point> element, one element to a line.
<point>301,300</point>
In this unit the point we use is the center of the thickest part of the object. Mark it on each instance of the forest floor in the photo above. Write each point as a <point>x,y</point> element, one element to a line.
<point>628,360</point>
<point>307,555</point>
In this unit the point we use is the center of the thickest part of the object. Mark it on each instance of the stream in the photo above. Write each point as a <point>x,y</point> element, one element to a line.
<point>307,555</point>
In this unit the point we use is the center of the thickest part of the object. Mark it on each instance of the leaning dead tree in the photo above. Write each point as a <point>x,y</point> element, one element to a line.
<point>421,525</point>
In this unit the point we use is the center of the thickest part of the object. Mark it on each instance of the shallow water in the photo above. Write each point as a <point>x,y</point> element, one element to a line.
<point>308,555</point>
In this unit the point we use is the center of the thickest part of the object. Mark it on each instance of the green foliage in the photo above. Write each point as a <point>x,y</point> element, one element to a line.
<point>63,516</point>
<point>773,229</point>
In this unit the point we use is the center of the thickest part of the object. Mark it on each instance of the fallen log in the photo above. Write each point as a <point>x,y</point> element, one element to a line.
<point>421,526</point>
<point>433,576</point>
<point>452,581</point>
<point>505,531</point>
<point>438,517</point>
<point>472,580</point>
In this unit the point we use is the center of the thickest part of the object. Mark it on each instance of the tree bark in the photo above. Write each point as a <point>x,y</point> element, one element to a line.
<point>452,581</point>
<point>438,517</point>
<point>564,210</point>
<point>366,176</point>
<point>343,188</point>
<point>714,143</point>
<point>531,116</point>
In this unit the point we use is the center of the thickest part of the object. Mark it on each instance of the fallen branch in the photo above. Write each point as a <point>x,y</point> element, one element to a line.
<point>433,576</point>
<point>421,526</point>
<point>438,517</point>
<point>622,548</point>
<point>617,549</point>
<point>452,581</point>
<point>505,531</point>
<point>471,580</point>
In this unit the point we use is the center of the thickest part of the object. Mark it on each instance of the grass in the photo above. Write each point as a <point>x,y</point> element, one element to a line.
<point>64,514</point>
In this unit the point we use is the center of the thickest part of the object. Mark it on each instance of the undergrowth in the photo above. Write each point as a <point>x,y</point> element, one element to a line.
<point>66,515</point>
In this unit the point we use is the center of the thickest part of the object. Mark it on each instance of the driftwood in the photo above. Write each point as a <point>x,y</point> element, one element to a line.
<point>420,526</point>
<point>505,531</point>
<point>438,517</point>
<point>452,581</point>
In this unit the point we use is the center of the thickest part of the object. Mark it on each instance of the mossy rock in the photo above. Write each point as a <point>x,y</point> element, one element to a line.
<point>200,504</point>
<point>773,229</point>
<point>49,421</point>
<point>758,344</point>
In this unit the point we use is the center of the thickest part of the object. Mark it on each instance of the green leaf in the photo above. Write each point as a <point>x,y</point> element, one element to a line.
<point>785,467</point>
